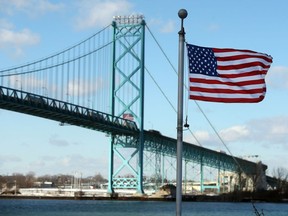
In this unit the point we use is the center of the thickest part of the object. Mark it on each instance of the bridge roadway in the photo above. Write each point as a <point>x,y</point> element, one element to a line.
<point>64,112</point>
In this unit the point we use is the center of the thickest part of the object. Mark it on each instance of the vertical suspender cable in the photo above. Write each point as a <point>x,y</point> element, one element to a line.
<point>62,77</point>
<point>79,78</point>
<point>89,75</point>
<point>94,69</point>
<point>74,77</point>
<point>68,77</point>
<point>83,92</point>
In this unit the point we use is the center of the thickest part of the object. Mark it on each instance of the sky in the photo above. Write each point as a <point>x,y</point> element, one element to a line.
<point>30,29</point>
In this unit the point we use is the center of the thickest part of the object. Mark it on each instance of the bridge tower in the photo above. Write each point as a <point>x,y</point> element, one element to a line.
<point>127,101</point>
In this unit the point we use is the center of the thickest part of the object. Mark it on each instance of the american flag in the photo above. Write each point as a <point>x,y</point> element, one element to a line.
<point>128,116</point>
<point>227,75</point>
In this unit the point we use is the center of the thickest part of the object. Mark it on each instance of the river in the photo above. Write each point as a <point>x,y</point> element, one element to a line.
<point>41,207</point>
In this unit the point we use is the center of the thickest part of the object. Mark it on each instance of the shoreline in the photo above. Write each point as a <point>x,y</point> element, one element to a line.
<point>185,198</point>
<point>129,198</point>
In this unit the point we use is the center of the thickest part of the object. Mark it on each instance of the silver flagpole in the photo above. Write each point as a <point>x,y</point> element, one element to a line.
<point>182,15</point>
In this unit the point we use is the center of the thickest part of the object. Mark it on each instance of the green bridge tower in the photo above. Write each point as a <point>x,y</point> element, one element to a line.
<point>127,101</point>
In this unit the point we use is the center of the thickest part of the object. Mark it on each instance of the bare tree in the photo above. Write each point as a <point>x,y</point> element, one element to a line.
<point>30,179</point>
<point>99,179</point>
<point>281,174</point>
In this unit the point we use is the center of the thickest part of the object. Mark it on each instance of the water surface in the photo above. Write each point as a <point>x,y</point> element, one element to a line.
<point>38,207</point>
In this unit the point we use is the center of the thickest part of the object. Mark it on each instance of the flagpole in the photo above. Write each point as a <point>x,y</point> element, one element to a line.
<point>182,15</point>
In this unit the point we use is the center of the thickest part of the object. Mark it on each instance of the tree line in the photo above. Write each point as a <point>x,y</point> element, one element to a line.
<point>30,180</point>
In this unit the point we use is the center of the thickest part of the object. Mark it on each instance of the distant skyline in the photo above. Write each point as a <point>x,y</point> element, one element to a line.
<point>32,29</point>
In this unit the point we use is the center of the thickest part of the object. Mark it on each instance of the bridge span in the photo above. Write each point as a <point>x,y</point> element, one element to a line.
<point>154,141</point>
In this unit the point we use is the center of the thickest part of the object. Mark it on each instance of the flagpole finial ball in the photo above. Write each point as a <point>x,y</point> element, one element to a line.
<point>182,13</point>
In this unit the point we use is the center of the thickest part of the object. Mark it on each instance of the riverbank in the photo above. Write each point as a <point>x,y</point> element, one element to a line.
<point>130,198</point>
<point>266,196</point>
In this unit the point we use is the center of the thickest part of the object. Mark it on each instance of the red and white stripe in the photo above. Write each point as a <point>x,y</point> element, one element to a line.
<point>241,78</point>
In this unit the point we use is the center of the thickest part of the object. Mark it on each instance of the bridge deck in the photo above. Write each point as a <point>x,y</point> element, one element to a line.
<point>156,142</point>
<point>64,112</point>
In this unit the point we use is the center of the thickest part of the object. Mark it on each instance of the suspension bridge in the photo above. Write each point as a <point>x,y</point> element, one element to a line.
<point>99,84</point>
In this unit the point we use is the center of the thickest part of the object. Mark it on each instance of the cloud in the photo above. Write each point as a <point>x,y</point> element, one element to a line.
<point>78,87</point>
<point>235,133</point>
<point>213,27</point>
<point>9,159</point>
<point>79,162</point>
<point>5,24</point>
<point>30,7</point>
<point>72,164</point>
<point>100,13</point>
<point>266,132</point>
<point>277,77</point>
<point>17,39</point>
<point>13,41</point>
<point>54,140</point>
<point>273,130</point>
<point>75,160</point>
<point>39,164</point>
<point>161,25</point>
<point>203,136</point>
<point>168,27</point>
